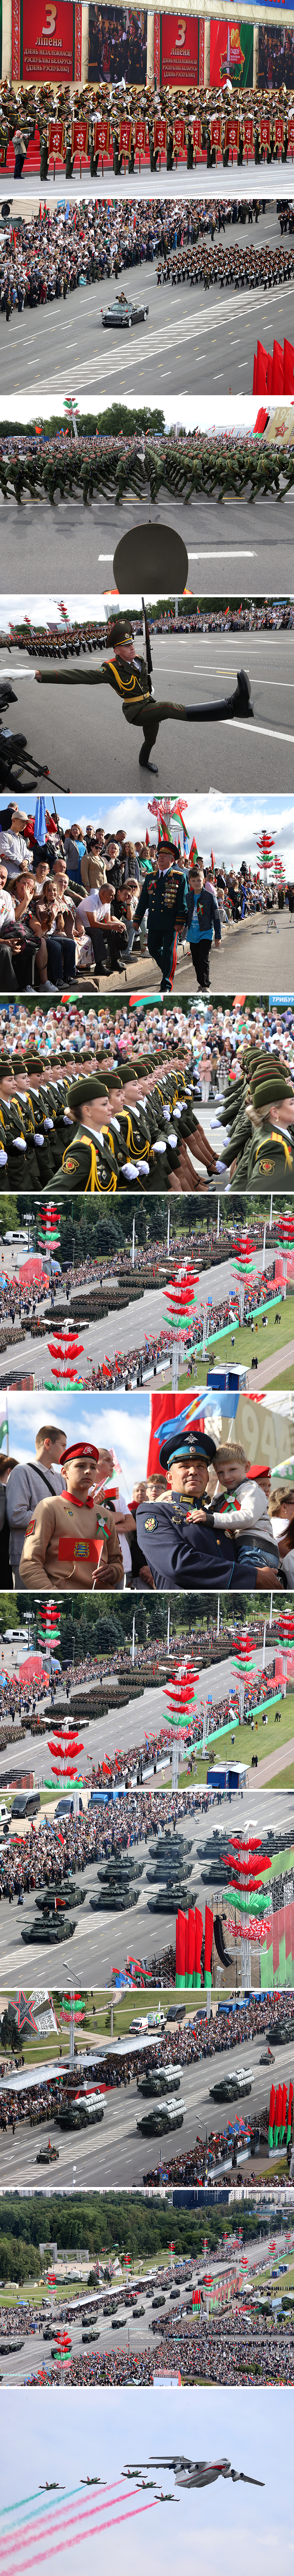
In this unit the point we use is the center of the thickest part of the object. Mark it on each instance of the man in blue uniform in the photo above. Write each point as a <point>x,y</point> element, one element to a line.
<point>178,1542</point>
<point>164,898</point>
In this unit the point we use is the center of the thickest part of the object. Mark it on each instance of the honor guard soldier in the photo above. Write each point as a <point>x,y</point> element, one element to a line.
<point>127,674</point>
<point>164,898</point>
<point>184,1551</point>
<point>71,1538</point>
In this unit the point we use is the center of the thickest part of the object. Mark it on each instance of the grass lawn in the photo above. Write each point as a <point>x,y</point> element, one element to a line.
<point>264,1741</point>
<point>264,1342</point>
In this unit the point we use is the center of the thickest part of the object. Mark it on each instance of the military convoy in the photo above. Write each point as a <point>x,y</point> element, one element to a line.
<point>120,1884</point>
<point>81,2110</point>
<point>163,2079</point>
<point>159,2121</point>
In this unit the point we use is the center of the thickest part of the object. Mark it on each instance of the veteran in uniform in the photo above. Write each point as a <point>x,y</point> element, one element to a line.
<point>71,1539</point>
<point>180,1546</point>
<point>164,898</point>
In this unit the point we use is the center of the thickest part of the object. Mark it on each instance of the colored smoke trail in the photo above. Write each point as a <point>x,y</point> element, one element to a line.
<point>70,2537</point>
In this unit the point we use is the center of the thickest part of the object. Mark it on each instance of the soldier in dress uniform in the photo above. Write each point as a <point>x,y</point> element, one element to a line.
<point>164,898</point>
<point>184,1551</point>
<point>126,1142</point>
<point>72,1539</point>
<point>127,674</point>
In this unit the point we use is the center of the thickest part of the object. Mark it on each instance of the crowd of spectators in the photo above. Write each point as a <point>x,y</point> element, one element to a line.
<point>68,901</point>
<point>184,2044</point>
<point>54,251</point>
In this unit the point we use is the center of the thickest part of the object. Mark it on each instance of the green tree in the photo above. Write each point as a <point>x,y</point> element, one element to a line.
<point>9,1216</point>
<point>9,1611</point>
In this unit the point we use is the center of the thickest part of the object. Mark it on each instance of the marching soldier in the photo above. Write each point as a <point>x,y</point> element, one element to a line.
<point>127,673</point>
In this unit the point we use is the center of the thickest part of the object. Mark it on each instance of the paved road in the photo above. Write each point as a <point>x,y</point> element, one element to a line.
<point>104,1940</point>
<point>192,341</point>
<point>115,2150</point>
<point>234,545</point>
<point>135,2330</point>
<point>80,740</point>
<point>127,1329</point>
<point>137,1717</point>
<point>189,183</point>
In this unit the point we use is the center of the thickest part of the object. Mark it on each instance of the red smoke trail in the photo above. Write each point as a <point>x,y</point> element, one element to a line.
<point>73,2537</point>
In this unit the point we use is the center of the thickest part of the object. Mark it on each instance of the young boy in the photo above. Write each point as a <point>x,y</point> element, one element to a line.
<point>240,1500</point>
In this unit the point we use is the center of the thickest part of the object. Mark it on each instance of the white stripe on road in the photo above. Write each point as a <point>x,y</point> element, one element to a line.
<point>271,732</point>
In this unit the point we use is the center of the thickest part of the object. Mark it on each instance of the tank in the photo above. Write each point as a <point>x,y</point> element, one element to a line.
<point>56,1928</point>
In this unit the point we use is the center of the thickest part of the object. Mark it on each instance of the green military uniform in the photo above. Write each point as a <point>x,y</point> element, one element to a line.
<point>164,898</point>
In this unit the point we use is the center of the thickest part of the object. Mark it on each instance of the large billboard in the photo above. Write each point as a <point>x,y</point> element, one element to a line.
<point>231,53</point>
<point>117,44</point>
<point>178,50</point>
<point>46,40</point>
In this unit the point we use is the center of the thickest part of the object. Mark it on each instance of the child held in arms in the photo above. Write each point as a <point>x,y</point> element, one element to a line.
<point>240,1500</point>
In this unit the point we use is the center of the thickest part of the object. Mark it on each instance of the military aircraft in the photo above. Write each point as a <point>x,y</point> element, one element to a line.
<point>199,2473</point>
<point>93,2482</point>
<point>52,2486</point>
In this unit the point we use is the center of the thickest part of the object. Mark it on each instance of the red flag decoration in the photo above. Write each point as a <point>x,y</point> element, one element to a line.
<point>80,135</point>
<point>215,133</point>
<point>197,133</point>
<point>288,386</point>
<point>179,134</point>
<point>279,133</point>
<point>140,135</point>
<point>248,133</point>
<point>264,131</point>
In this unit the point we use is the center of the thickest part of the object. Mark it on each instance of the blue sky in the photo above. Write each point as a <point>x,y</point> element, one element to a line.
<point>97,2434</point>
<point>110,1421</point>
<point>230,825</point>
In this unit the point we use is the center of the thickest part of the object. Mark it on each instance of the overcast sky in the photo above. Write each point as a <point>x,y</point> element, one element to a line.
<point>191,414</point>
<point>220,2528</point>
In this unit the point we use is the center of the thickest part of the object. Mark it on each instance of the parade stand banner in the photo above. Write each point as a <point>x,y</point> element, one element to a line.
<point>231,54</point>
<point>178,50</point>
<point>46,40</point>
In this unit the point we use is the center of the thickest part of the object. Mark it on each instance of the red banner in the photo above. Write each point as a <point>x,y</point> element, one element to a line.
<point>176,50</point>
<point>56,138</point>
<point>230,53</point>
<point>101,137</point>
<point>248,133</point>
<point>279,132</point>
<point>80,135</point>
<point>264,131</point>
<point>197,133</point>
<point>159,134</point>
<point>215,132</point>
<point>179,134</point>
<point>46,40</point>
<point>140,136</point>
<point>125,134</point>
<point>232,134</point>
